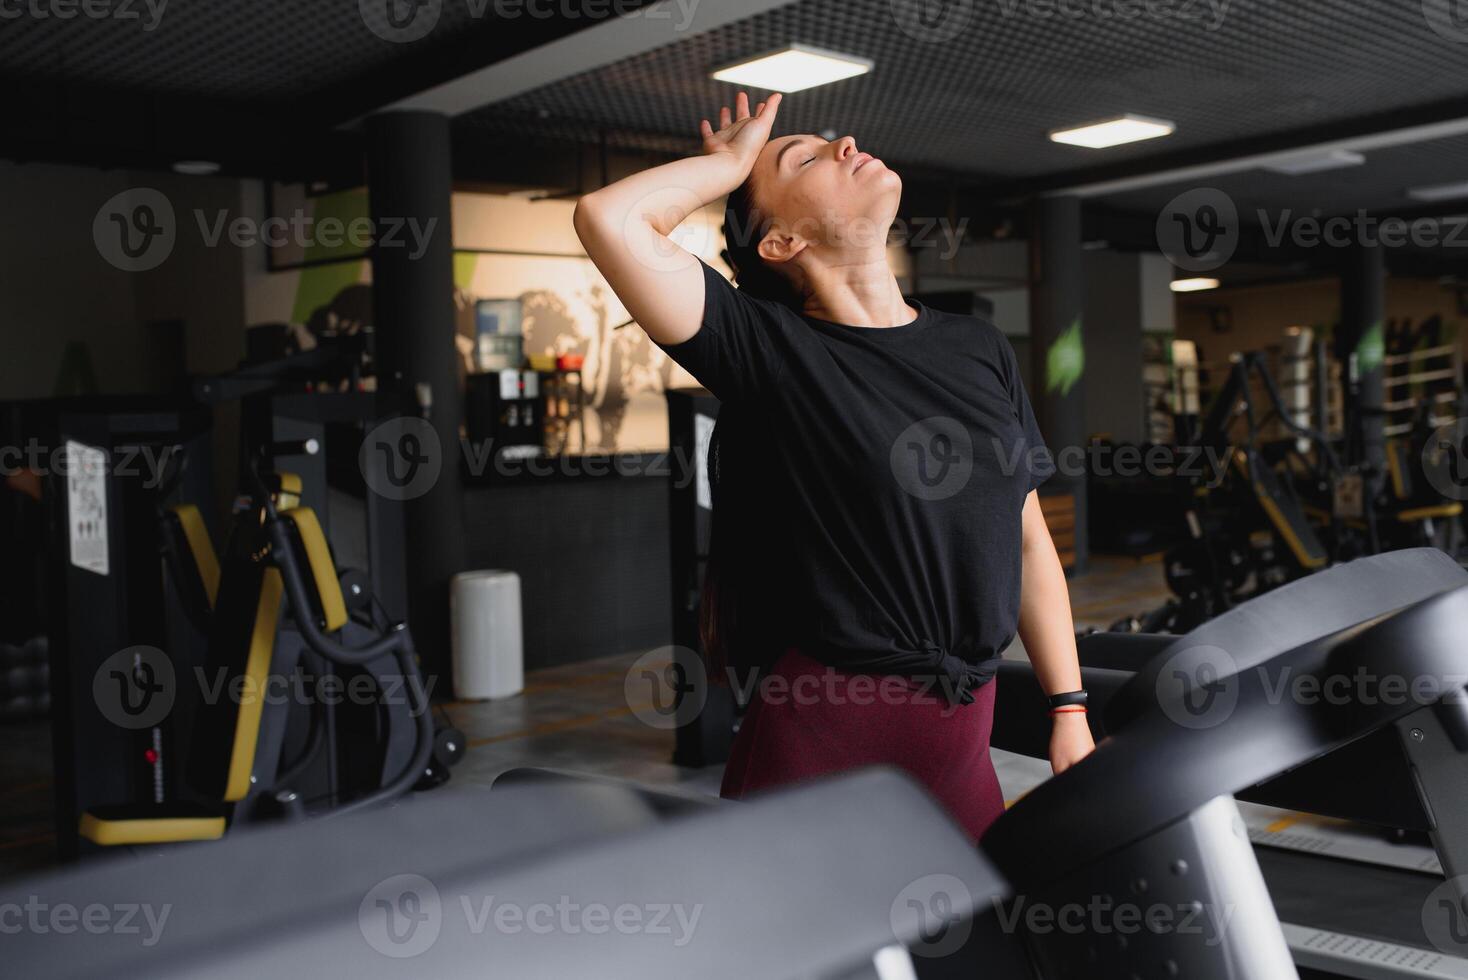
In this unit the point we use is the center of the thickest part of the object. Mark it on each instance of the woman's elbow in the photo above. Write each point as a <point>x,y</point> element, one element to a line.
<point>586,217</point>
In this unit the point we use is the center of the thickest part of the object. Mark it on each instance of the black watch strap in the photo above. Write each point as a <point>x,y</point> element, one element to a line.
<point>1067,699</point>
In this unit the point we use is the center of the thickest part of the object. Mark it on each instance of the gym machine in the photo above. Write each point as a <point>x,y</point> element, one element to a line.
<point>235,768</point>
<point>119,470</point>
<point>280,404</point>
<point>313,402</point>
<point>1252,532</point>
<point>1396,760</point>
<point>857,876</point>
<point>704,728</point>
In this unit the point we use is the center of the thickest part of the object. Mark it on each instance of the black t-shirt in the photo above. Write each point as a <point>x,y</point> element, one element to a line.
<point>903,456</point>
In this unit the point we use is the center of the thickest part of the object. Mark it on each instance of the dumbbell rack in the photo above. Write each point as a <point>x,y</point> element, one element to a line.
<point>25,680</point>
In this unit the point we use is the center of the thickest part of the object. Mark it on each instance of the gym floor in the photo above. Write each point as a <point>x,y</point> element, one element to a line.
<point>574,716</point>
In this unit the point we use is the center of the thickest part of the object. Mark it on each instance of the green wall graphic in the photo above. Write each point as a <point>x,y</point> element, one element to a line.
<point>465,265</point>
<point>1371,350</point>
<point>1065,362</point>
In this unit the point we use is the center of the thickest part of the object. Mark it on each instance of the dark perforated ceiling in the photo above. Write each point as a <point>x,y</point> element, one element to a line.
<point>257,51</point>
<point>980,103</point>
<point>259,84</point>
<point>971,94</point>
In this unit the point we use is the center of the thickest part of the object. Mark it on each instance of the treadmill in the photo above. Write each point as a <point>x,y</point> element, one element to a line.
<point>855,877</point>
<point>1381,915</point>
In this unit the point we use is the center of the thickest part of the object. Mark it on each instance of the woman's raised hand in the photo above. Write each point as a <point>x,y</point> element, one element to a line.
<point>741,135</point>
<point>626,225</point>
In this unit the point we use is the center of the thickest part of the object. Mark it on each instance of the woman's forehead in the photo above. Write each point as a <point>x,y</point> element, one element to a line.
<point>772,149</point>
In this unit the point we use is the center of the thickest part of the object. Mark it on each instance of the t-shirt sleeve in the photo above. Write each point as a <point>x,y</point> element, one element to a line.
<point>736,352</point>
<point>1036,458</point>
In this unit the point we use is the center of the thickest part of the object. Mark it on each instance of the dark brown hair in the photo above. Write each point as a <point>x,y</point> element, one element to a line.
<point>745,224</point>
<point>738,622</point>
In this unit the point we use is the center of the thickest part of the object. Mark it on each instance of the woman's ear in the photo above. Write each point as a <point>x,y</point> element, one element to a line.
<point>779,246</point>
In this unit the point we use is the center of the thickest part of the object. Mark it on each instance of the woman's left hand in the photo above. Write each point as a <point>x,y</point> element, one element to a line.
<point>1070,740</point>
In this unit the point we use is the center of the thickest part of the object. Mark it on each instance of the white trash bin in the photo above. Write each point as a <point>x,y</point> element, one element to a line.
<point>489,655</point>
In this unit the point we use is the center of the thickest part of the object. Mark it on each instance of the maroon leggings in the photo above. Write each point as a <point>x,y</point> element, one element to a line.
<point>811,720</point>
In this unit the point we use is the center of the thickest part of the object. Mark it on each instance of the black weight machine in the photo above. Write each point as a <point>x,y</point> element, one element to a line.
<point>114,467</point>
<point>132,566</point>
<point>239,769</point>
<point>309,415</point>
<point>1252,531</point>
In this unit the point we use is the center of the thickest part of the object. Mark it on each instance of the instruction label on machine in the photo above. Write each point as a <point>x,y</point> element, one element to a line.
<point>703,430</point>
<point>86,506</point>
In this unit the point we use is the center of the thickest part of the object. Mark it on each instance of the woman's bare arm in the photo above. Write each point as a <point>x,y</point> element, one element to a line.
<point>1048,633</point>
<point>625,226</point>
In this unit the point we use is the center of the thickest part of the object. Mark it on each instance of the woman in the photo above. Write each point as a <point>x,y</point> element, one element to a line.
<point>899,463</point>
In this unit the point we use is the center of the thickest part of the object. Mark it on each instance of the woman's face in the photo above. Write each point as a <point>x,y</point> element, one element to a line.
<point>823,193</point>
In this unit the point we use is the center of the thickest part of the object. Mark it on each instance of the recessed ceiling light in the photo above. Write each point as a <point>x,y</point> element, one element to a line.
<point>1113,132</point>
<point>1439,192</point>
<point>196,168</point>
<point>793,68</point>
<point>1196,285</point>
<point>1314,163</point>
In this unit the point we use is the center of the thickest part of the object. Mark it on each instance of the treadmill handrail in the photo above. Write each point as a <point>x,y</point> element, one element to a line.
<point>828,914</point>
<point>1158,769</point>
<point>1296,613</point>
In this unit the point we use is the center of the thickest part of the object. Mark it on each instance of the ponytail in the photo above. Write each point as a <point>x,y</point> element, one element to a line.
<point>740,622</point>
<point>744,227</point>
